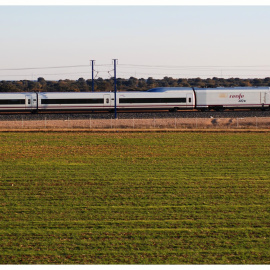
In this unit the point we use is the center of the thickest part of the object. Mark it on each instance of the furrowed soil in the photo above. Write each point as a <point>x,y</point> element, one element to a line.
<point>134,198</point>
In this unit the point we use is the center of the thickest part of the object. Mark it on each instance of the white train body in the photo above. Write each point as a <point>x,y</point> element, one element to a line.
<point>18,102</point>
<point>183,99</point>
<point>68,101</point>
<point>157,98</point>
<point>237,97</point>
<point>165,98</point>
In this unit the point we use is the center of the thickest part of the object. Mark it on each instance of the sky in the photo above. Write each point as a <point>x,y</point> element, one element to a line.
<point>58,41</point>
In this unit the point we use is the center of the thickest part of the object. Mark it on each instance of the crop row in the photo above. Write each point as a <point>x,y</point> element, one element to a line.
<point>118,198</point>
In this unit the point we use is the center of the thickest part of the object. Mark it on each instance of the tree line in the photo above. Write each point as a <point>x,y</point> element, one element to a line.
<point>131,84</point>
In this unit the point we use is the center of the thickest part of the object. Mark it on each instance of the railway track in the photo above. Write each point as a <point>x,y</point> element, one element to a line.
<point>135,115</point>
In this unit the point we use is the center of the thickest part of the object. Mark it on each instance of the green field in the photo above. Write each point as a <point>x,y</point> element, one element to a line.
<point>135,198</point>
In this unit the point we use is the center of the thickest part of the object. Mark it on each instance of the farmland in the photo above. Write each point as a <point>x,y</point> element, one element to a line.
<point>134,198</point>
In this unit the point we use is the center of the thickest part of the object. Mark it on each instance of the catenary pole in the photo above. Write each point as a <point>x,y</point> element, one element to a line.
<point>92,74</point>
<point>115,90</point>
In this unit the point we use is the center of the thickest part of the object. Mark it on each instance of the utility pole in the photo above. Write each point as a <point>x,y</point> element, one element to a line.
<point>115,90</point>
<point>92,74</point>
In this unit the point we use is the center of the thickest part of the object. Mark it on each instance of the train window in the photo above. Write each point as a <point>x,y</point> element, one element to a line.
<point>12,101</point>
<point>107,100</point>
<point>29,101</point>
<point>152,100</point>
<point>189,100</point>
<point>72,101</point>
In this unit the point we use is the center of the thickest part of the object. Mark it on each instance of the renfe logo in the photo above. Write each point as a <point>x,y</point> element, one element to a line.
<point>237,96</point>
<point>240,97</point>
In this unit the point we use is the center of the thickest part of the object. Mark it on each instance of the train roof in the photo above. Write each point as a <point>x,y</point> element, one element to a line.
<point>17,93</point>
<point>95,92</point>
<point>233,88</point>
<point>167,89</point>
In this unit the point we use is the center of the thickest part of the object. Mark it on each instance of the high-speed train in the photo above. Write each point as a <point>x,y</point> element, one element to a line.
<point>163,98</point>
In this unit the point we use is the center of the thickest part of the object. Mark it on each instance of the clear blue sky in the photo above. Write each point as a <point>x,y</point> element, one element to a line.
<point>156,41</point>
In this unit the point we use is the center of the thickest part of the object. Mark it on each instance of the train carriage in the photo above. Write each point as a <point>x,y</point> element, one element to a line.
<point>232,98</point>
<point>173,99</point>
<point>18,102</point>
<point>74,101</point>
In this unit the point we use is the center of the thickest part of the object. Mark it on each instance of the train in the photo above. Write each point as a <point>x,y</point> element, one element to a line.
<point>161,98</point>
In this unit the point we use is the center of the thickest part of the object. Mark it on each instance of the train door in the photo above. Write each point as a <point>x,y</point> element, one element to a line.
<point>263,98</point>
<point>267,98</point>
<point>31,102</point>
<point>28,102</point>
<point>189,101</point>
<point>107,100</point>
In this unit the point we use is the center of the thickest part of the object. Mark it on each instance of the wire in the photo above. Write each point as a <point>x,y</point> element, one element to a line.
<point>188,66</point>
<point>161,70</point>
<point>6,69</point>
<point>96,74</point>
<point>139,66</point>
<point>192,75</point>
<point>54,74</point>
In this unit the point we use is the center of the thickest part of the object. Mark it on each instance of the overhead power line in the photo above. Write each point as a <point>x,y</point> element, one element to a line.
<point>138,66</point>
<point>188,66</point>
<point>31,68</point>
<point>43,67</point>
<point>143,70</point>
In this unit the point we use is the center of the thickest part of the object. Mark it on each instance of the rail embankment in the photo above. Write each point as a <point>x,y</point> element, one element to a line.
<point>137,124</point>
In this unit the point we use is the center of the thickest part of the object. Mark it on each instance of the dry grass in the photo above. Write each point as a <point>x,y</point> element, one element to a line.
<point>138,124</point>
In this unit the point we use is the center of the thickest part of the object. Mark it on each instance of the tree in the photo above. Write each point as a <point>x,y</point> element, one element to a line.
<point>7,87</point>
<point>150,83</point>
<point>43,83</point>
<point>74,88</point>
<point>63,86</point>
<point>132,82</point>
<point>170,81</point>
<point>183,83</point>
<point>257,82</point>
<point>245,83</point>
<point>104,86</point>
<point>82,85</point>
<point>142,84</point>
<point>120,84</point>
<point>41,80</point>
<point>164,83</point>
